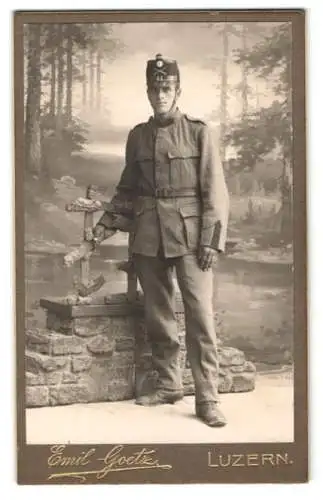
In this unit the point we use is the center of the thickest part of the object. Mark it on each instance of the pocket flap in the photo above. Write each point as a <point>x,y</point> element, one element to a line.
<point>190,211</point>
<point>182,153</point>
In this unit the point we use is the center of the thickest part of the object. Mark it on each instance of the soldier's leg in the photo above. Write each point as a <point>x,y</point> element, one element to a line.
<point>197,291</point>
<point>155,276</point>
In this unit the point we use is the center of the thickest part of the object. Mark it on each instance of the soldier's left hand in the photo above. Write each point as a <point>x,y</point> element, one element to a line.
<point>207,257</point>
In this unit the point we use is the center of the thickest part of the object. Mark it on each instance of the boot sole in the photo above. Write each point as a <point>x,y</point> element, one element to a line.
<point>169,401</point>
<point>212,423</point>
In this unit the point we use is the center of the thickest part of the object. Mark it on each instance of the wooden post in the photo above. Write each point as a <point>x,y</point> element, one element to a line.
<point>87,236</point>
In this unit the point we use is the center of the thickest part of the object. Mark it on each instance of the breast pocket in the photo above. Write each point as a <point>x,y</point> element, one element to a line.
<point>191,216</point>
<point>183,168</point>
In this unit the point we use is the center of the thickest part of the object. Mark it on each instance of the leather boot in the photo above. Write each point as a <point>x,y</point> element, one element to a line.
<point>160,397</point>
<point>210,414</point>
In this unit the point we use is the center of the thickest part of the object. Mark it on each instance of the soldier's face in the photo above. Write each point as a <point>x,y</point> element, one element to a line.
<point>163,96</point>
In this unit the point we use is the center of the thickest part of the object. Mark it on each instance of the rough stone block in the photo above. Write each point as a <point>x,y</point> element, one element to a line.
<point>249,367</point>
<point>69,394</point>
<point>230,356</point>
<point>70,378</point>
<point>225,383</point>
<point>51,378</point>
<point>120,373</point>
<point>114,327</point>
<point>89,327</point>
<point>81,363</point>
<point>125,344</point>
<point>37,396</point>
<point>52,343</point>
<point>124,358</point>
<point>243,382</point>
<point>103,375</point>
<point>63,325</point>
<point>37,339</point>
<point>189,389</point>
<point>101,345</point>
<point>37,363</point>
<point>61,344</point>
<point>121,327</point>
<point>119,391</point>
<point>237,368</point>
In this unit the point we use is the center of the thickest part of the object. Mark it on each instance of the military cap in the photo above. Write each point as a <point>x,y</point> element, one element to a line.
<point>162,69</point>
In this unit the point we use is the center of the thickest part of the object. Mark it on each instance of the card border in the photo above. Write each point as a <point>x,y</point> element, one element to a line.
<point>189,462</point>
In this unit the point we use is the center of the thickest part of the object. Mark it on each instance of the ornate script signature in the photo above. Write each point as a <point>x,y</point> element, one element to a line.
<point>116,460</point>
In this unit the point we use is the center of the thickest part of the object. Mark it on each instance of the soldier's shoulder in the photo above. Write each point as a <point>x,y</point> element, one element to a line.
<point>140,125</point>
<point>137,128</point>
<point>195,120</point>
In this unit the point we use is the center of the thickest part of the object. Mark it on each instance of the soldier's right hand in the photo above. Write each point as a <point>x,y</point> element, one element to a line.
<point>99,233</point>
<point>207,256</point>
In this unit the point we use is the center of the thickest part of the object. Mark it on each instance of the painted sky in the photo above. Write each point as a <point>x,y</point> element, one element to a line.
<point>198,49</point>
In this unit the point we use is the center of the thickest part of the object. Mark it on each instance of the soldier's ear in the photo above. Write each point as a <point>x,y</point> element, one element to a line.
<point>178,92</point>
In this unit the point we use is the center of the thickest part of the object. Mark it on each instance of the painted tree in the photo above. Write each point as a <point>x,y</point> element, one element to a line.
<point>248,34</point>
<point>60,55</point>
<point>269,129</point>
<point>84,78</point>
<point>225,32</point>
<point>244,82</point>
<point>32,115</point>
<point>69,72</point>
<point>52,62</point>
<point>103,46</point>
<point>224,90</point>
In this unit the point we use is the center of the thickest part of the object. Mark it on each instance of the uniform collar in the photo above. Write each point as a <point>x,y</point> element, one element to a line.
<point>173,117</point>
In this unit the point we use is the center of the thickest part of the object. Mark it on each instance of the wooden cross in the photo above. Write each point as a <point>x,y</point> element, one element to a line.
<point>88,206</point>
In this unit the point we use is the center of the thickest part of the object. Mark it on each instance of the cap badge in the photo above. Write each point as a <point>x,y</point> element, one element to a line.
<point>159,63</point>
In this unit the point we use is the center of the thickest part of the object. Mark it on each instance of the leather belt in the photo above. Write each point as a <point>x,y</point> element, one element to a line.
<point>168,192</point>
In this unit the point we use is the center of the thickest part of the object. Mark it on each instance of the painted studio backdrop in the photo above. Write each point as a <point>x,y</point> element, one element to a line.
<point>85,89</point>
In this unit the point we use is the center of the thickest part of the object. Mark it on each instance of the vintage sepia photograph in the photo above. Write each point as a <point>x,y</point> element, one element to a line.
<point>207,119</point>
<point>159,271</point>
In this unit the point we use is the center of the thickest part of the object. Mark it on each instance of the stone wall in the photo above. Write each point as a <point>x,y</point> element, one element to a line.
<point>100,352</point>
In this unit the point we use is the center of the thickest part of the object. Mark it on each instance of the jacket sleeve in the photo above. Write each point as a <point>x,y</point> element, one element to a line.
<point>122,201</point>
<point>215,197</point>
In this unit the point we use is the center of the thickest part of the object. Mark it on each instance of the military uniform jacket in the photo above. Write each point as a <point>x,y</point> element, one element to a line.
<point>174,185</point>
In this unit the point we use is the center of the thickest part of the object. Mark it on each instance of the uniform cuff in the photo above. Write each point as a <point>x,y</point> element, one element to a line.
<point>210,236</point>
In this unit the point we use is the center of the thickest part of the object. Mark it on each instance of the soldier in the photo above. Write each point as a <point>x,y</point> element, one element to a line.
<point>173,181</point>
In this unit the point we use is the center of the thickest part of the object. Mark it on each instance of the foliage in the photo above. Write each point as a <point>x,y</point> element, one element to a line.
<point>267,129</point>
<point>271,58</point>
<point>259,133</point>
<point>74,133</point>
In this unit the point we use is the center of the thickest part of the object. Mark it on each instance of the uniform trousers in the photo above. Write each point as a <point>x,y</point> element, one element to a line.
<point>156,278</point>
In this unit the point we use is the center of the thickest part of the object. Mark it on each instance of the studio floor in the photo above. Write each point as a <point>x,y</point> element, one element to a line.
<point>263,415</point>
